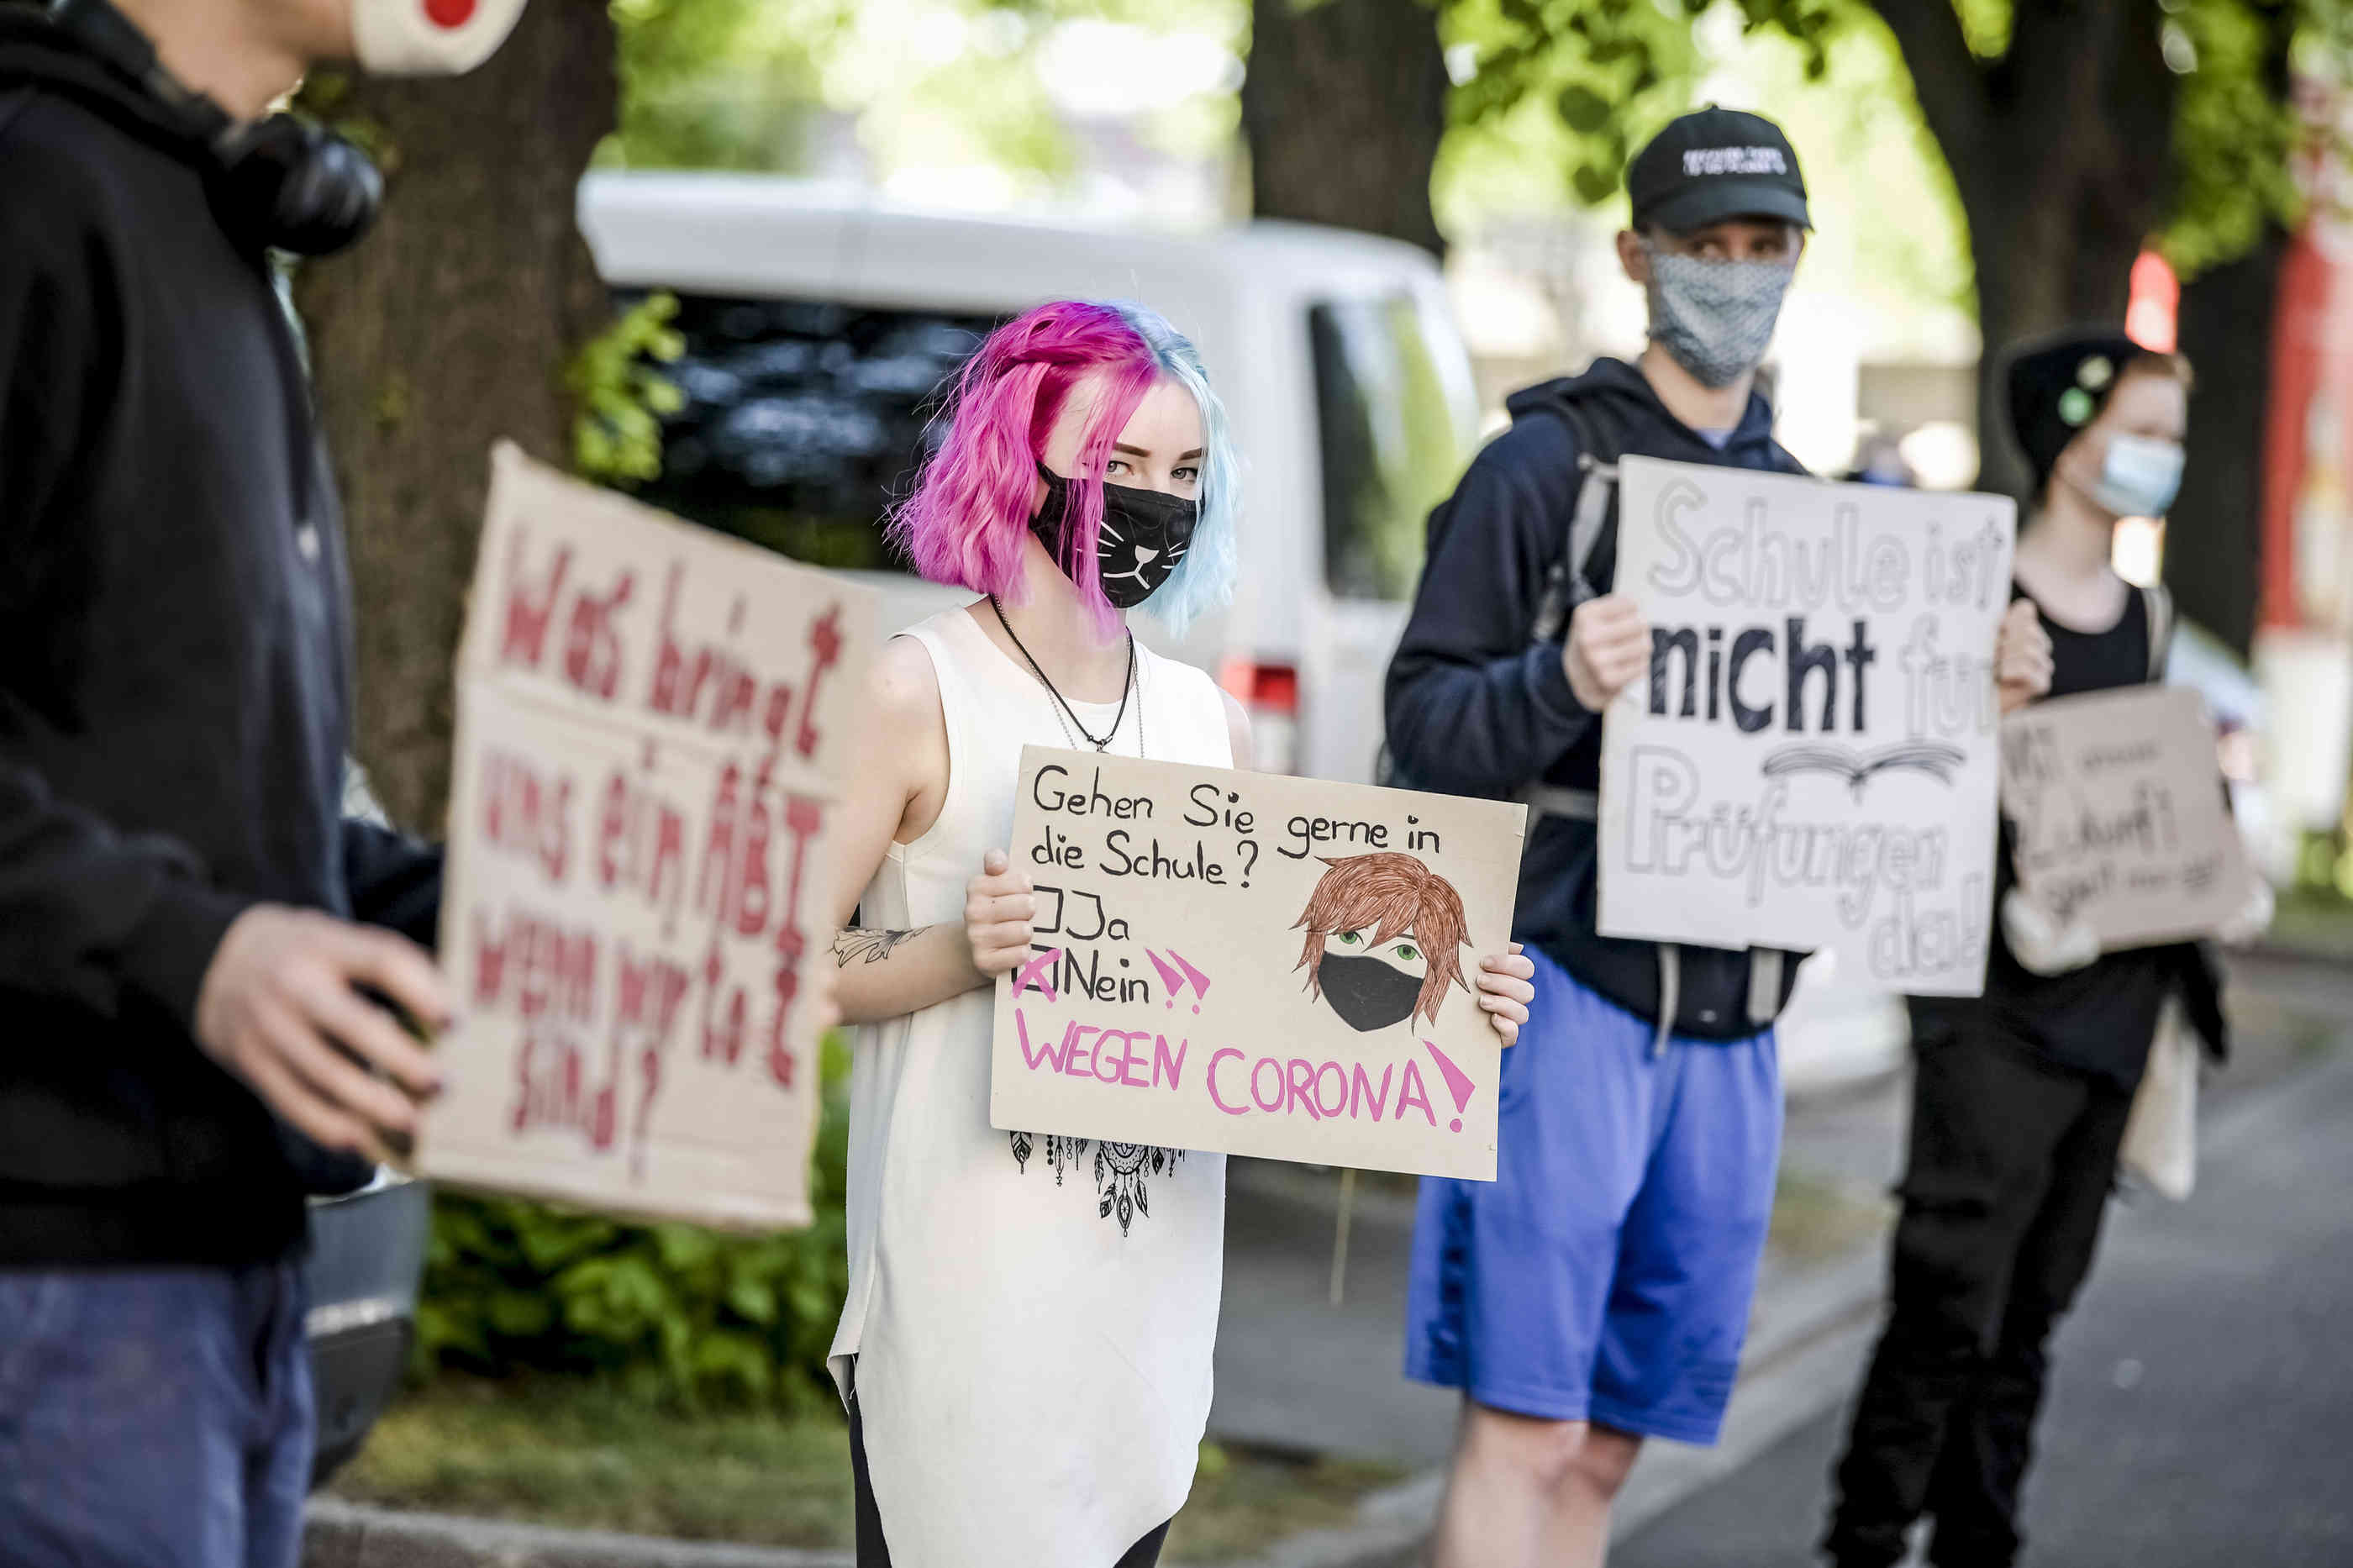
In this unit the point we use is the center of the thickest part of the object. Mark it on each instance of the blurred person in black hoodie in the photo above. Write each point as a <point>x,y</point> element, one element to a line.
<point>203,965</point>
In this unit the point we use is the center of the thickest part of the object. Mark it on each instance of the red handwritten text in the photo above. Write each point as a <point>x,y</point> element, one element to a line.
<point>716,690</point>
<point>526,814</point>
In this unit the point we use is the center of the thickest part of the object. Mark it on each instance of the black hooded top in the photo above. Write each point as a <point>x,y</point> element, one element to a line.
<point>1474,708</point>
<point>174,676</point>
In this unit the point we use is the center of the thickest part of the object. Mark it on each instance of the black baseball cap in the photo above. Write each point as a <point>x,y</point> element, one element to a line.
<point>1713,164</point>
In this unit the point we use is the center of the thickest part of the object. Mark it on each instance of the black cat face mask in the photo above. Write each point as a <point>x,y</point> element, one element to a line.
<point>1144,534</point>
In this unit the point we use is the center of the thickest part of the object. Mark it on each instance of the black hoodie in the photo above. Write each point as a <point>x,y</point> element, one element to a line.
<point>174,670</point>
<point>1476,708</point>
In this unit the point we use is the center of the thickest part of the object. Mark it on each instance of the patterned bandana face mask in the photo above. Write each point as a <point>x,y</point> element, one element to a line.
<point>1715,318</point>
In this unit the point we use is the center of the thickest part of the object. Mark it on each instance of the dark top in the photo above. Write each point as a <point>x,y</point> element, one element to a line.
<point>1476,708</point>
<point>2101,1018</point>
<point>174,674</point>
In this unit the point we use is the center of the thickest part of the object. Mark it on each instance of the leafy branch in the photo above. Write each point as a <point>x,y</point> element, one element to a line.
<point>621,398</point>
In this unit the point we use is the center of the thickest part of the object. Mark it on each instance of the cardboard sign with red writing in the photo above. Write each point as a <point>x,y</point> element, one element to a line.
<point>1250,964</point>
<point>651,721</point>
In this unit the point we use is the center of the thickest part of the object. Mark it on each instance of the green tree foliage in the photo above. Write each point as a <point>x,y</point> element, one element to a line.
<point>720,84</point>
<point>1608,75</point>
<point>619,398</point>
<point>2235,126</point>
<point>670,1313</point>
<point>1612,72</point>
<point>747,84</point>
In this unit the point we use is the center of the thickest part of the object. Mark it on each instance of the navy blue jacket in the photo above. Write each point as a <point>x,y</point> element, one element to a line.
<point>1476,708</point>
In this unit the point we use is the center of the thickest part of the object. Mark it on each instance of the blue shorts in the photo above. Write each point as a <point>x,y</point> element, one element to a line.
<point>1606,1273</point>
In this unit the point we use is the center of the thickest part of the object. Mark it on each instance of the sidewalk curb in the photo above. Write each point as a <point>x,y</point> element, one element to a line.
<point>339,1534</point>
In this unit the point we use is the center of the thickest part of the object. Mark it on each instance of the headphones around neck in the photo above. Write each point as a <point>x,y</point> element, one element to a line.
<point>279,183</point>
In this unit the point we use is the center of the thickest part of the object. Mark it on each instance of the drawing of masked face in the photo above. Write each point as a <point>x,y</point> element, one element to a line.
<point>1372,987</point>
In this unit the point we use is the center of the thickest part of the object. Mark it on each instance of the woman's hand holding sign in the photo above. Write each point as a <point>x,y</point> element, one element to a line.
<point>1507,986</point>
<point>2021,658</point>
<point>1608,645</point>
<point>888,974</point>
<point>999,909</point>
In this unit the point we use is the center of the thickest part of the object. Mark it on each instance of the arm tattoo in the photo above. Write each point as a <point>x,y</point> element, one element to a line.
<point>873,946</point>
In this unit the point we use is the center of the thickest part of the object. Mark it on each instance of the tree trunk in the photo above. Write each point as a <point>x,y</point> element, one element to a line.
<point>448,328</point>
<point>2213,555</point>
<point>2061,151</point>
<point>2213,551</point>
<point>2039,270</point>
<point>1343,110</point>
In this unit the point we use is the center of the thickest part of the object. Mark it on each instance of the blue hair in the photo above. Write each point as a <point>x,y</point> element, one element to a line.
<point>1204,580</point>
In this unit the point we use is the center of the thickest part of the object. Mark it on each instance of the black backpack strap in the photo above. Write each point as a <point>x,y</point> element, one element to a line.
<point>1597,487</point>
<point>1564,588</point>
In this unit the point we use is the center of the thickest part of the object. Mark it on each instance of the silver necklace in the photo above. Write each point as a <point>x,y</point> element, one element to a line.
<point>1131,693</point>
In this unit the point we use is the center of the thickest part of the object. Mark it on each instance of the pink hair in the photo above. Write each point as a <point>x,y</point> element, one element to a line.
<point>970,507</point>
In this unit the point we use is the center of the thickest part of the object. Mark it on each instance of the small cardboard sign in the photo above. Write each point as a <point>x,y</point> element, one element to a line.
<point>1255,964</point>
<point>2120,817</point>
<point>1811,762</point>
<point>651,721</point>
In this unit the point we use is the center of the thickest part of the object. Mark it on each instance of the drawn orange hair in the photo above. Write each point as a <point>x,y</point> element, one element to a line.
<point>1392,893</point>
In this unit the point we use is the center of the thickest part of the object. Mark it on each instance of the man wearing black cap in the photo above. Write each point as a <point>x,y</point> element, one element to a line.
<point>2021,1097</point>
<point>1598,1292</point>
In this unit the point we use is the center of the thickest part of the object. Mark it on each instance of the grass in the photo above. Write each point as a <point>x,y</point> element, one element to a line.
<point>558,1452</point>
<point>564,1452</point>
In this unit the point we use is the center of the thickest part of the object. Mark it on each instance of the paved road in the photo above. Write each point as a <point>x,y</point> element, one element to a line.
<point>1295,1372</point>
<point>2202,1409</point>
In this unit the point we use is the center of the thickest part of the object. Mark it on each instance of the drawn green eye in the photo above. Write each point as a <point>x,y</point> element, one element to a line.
<point>1406,951</point>
<point>1351,938</point>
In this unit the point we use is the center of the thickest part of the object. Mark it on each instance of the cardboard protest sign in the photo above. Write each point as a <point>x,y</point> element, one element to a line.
<point>2119,815</point>
<point>650,718</point>
<point>1811,762</point>
<point>1255,964</point>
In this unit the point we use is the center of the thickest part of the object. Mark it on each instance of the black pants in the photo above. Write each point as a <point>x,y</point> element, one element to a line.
<point>2011,1167</point>
<point>873,1553</point>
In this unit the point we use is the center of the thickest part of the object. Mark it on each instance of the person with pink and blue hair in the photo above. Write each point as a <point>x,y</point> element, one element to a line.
<point>1025,1351</point>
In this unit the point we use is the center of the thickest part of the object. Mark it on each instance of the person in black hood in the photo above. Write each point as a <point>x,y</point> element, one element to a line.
<point>192,963</point>
<point>1598,1292</point>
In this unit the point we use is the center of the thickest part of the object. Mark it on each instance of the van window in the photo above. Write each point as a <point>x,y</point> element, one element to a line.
<point>804,419</point>
<point>1391,446</point>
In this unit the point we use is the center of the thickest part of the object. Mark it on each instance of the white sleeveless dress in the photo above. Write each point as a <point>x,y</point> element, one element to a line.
<point>1033,1362</point>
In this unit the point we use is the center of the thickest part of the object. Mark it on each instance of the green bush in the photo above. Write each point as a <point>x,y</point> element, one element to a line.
<point>671,1313</point>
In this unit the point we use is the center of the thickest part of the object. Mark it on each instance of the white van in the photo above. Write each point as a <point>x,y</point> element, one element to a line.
<point>819,326</point>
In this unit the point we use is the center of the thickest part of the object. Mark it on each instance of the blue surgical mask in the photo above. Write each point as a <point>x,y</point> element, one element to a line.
<point>2140,477</point>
